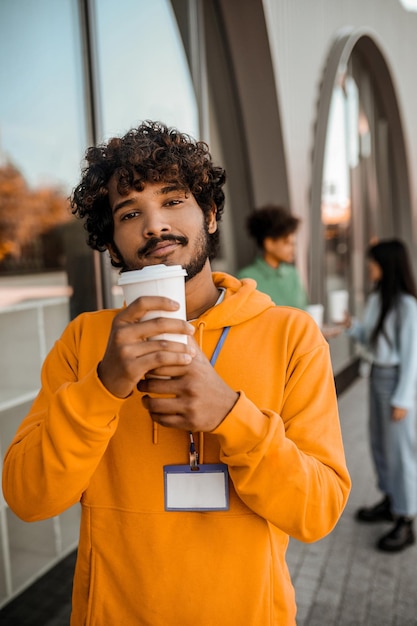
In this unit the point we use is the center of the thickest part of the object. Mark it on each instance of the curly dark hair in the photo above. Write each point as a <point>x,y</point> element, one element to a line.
<point>271,221</point>
<point>151,153</point>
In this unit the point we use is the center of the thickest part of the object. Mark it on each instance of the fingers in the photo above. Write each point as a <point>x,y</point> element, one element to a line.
<point>165,411</point>
<point>147,317</point>
<point>139,307</point>
<point>135,332</point>
<point>132,349</point>
<point>168,371</point>
<point>129,357</point>
<point>182,401</point>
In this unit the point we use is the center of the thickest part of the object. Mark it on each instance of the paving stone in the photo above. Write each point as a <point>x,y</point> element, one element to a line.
<point>355,584</point>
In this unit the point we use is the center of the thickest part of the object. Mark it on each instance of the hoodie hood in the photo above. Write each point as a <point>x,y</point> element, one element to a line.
<point>241,302</point>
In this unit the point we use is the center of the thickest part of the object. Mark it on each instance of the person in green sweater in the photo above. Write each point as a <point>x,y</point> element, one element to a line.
<point>274,229</point>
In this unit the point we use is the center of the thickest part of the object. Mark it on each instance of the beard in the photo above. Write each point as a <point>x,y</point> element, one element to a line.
<point>199,260</point>
<point>193,267</point>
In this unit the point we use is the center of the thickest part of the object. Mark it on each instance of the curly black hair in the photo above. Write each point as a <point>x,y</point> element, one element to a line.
<point>271,221</point>
<point>151,153</point>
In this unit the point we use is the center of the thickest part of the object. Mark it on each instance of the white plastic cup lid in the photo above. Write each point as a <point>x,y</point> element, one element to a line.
<point>151,272</point>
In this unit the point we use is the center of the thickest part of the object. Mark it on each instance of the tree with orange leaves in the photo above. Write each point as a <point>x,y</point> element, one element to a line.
<point>25,213</point>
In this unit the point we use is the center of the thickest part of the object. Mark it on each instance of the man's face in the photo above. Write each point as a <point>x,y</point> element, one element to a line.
<point>282,249</point>
<point>161,224</point>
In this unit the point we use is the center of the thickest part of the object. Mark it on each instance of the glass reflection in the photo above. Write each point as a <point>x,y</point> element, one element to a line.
<point>143,74</point>
<point>341,157</point>
<point>143,70</point>
<point>40,106</point>
<point>42,136</point>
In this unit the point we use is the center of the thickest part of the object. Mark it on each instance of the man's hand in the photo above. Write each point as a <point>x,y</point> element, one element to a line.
<point>198,399</point>
<point>131,352</point>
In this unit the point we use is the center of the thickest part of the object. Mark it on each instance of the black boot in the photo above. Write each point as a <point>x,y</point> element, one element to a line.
<point>380,512</point>
<point>401,536</point>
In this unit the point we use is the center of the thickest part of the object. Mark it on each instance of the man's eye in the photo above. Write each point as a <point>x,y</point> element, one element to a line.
<point>173,202</point>
<point>129,216</point>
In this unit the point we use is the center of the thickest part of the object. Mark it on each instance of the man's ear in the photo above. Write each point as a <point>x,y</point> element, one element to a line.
<point>212,222</point>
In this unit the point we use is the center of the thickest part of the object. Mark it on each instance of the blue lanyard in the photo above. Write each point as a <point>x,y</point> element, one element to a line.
<point>219,346</point>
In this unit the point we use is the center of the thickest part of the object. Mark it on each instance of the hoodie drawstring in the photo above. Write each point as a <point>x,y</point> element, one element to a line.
<point>200,453</point>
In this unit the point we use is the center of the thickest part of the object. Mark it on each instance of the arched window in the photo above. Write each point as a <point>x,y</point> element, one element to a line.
<point>360,186</point>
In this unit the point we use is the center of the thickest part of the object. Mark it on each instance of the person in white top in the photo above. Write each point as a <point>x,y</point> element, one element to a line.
<point>389,334</point>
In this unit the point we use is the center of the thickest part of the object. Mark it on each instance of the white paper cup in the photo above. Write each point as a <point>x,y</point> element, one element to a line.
<point>316,311</point>
<point>157,280</point>
<point>338,305</point>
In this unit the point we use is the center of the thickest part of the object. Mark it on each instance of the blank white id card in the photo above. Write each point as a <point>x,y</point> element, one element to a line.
<point>205,489</point>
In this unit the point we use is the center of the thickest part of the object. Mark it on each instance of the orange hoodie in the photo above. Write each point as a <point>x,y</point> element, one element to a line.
<point>139,565</point>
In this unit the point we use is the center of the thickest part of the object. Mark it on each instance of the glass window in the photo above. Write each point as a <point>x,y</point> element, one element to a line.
<point>143,70</point>
<point>340,212</point>
<point>40,106</point>
<point>364,186</point>
<point>42,138</point>
<point>340,157</point>
<point>142,74</point>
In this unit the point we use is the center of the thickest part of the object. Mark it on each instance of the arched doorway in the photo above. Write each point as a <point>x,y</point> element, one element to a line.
<point>360,186</point>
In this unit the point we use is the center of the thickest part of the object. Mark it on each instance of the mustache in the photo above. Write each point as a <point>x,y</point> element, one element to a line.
<point>152,243</point>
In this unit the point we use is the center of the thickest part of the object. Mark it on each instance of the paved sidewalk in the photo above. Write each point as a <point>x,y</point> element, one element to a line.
<point>343,580</point>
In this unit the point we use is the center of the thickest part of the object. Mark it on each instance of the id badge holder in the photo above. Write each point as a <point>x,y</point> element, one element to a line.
<point>197,487</point>
<point>188,488</point>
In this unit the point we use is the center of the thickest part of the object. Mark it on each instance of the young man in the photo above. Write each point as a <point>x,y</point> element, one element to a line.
<point>274,229</point>
<point>263,417</point>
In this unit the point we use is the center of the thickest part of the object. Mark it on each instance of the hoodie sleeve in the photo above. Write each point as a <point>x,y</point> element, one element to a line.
<point>290,468</point>
<point>63,438</point>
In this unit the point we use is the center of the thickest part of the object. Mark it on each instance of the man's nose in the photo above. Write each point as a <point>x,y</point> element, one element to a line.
<point>155,224</point>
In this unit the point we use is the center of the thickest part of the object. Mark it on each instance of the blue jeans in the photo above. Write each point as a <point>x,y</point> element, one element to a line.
<point>393,444</point>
